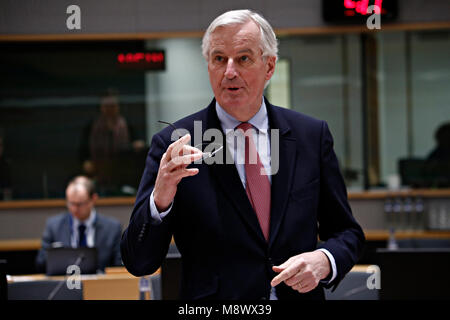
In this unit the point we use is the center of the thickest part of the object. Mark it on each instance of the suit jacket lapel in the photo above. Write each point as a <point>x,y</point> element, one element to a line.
<point>282,180</point>
<point>228,179</point>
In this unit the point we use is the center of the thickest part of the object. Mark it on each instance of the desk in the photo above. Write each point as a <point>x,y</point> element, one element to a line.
<point>27,244</point>
<point>20,244</point>
<point>115,284</point>
<point>381,235</point>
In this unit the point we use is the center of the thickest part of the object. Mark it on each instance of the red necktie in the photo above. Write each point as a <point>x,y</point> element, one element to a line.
<point>257,182</point>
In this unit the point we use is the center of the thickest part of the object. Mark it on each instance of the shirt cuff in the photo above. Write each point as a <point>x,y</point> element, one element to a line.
<point>154,213</point>
<point>332,263</point>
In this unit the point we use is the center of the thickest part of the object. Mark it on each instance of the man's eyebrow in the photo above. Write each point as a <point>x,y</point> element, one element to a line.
<point>216,52</point>
<point>246,51</point>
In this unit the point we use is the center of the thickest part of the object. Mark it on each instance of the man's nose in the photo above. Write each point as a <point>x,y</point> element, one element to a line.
<point>230,72</point>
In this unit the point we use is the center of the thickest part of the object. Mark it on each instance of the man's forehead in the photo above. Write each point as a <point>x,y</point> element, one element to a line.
<point>76,190</point>
<point>238,43</point>
<point>248,31</point>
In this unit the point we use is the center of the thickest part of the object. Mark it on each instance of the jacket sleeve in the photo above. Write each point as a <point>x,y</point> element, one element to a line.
<point>145,242</point>
<point>342,236</point>
<point>116,258</point>
<point>47,240</point>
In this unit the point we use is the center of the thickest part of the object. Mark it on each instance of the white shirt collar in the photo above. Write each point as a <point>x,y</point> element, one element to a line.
<point>260,120</point>
<point>89,223</point>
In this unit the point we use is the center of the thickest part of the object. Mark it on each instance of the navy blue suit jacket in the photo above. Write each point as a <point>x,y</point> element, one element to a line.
<point>224,253</point>
<point>107,239</point>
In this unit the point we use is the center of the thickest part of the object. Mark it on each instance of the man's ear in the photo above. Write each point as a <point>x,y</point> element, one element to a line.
<point>94,197</point>
<point>270,66</point>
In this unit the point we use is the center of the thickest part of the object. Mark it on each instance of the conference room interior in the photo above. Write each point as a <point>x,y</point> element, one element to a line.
<point>383,92</point>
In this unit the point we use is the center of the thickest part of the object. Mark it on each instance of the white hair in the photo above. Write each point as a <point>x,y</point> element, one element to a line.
<point>268,41</point>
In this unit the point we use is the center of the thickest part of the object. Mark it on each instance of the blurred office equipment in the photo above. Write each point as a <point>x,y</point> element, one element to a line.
<point>3,282</point>
<point>171,277</point>
<point>145,288</point>
<point>42,290</point>
<point>417,274</point>
<point>353,287</point>
<point>171,274</point>
<point>411,172</point>
<point>58,259</point>
<point>423,243</point>
<point>115,284</point>
<point>155,280</point>
<point>424,173</point>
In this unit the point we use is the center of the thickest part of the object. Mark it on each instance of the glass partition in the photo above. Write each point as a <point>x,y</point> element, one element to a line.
<point>68,108</point>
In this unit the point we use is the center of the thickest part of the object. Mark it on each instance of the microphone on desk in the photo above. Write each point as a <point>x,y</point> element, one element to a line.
<point>77,263</point>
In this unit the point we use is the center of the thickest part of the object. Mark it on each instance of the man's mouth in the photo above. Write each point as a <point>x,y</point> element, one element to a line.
<point>233,89</point>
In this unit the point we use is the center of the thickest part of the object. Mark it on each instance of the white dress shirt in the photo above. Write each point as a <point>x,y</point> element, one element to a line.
<point>90,230</point>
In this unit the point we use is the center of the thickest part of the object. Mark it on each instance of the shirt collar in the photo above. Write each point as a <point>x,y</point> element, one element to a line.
<point>260,120</point>
<point>88,223</point>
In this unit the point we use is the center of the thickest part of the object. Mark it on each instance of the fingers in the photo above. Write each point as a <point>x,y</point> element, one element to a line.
<point>295,273</point>
<point>304,286</point>
<point>174,148</point>
<point>172,169</point>
<point>182,161</point>
<point>295,279</point>
<point>180,154</point>
<point>299,281</point>
<point>172,173</point>
<point>180,147</point>
<point>285,273</point>
<point>182,173</point>
<point>284,265</point>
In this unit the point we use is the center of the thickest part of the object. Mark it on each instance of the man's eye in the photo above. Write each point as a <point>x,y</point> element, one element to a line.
<point>218,58</point>
<point>244,58</point>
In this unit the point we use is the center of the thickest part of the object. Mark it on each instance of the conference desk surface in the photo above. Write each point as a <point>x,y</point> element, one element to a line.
<point>115,284</point>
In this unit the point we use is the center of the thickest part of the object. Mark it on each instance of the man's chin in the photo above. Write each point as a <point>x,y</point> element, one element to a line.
<point>231,105</point>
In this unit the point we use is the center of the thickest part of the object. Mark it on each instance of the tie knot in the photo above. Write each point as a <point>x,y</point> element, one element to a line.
<point>81,228</point>
<point>244,126</point>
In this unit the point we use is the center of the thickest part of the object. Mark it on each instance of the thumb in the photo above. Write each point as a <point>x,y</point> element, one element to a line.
<point>277,268</point>
<point>281,267</point>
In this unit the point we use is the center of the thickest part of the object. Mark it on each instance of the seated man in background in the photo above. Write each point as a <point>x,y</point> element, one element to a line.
<point>82,226</point>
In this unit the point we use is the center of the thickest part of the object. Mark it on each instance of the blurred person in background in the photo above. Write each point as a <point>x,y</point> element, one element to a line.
<point>82,226</point>
<point>437,164</point>
<point>107,144</point>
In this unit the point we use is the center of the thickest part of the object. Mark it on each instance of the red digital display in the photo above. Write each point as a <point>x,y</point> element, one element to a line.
<point>356,11</point>
<point>361,6</point>
<point>143,60</point>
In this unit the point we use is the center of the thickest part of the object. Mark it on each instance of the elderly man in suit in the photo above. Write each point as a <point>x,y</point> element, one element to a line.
<point>82,226</point>
<point>245,229</point>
